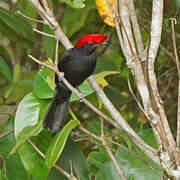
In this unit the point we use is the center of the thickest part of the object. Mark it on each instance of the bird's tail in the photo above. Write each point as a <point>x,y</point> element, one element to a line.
<point>56,114</point>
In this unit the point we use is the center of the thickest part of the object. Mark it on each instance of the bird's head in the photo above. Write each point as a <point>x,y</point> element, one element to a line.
<point>90,42</point>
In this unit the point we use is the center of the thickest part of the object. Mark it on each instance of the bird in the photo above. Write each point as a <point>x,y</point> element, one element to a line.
<point>77,64</point>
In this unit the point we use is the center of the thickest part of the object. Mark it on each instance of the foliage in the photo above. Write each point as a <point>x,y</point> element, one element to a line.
<point>29,90</point>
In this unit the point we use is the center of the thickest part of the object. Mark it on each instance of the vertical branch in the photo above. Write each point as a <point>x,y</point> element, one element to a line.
<point>156,29</point>
<point>136,29</point>
<point>127,29</point>
<point>173,21</point>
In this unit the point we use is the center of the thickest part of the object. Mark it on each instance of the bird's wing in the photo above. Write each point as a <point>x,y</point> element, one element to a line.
<point>64,59</point>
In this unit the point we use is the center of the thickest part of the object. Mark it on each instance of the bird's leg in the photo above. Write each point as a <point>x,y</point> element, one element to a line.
<point>81,97</point>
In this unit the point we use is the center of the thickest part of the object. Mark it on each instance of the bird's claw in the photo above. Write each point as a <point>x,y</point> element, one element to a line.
<point>61,76</point>
<point>81,98</point>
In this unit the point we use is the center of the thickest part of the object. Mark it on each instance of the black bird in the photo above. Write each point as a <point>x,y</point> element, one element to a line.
<point>77,63</point>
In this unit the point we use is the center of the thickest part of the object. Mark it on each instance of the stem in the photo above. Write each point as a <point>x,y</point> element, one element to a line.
<point>173,21</point>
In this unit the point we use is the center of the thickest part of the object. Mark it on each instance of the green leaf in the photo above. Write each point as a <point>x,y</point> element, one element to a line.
<point>58,143</point>
<point>16,73</point>
<point>85,89</point>
<point>100,77</point>
<point>29,131</point>
<point>33,162</point>
<point>18,39</point>
<point>49,43</point>
<point>34,130</point>
<point>73,23</point>
<point>74,3</point>
<point>16,23</point>
<point>148,136</point>
<point>98,159</point>
<point>21,88</point>
<point>27,113</point>
<point>4,69</point>
<point>44,84</point>
<point>71,152</point>
<point>14,168</point>
<point>176,3</point>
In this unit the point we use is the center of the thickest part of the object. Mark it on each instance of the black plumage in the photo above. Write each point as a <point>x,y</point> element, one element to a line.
<point>77,64</point>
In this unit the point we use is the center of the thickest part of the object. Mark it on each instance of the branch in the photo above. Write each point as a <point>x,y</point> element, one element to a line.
<point>173,21</point>
<point>108,150</point>
<point>156,29</point>
<point>6,133</point>
<point>29,18</point>
<point>43,33</point>
<point>136,30</point>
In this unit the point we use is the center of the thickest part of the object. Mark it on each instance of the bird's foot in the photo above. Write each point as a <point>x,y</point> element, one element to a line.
<point>60,76</point>
<point>81,98</point>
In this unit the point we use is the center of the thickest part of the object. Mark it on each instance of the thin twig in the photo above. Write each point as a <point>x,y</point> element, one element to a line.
<point>106,147</point>
<point>173,21</point>
<point>56,55</point>
<point>135,98</point>
<point>29,18</point>
<point>42,155</point>
<point>113,159</point>
<point>41,63</point>
<point>35,147</point>
<point>43,33</point>
<point>7,133</point>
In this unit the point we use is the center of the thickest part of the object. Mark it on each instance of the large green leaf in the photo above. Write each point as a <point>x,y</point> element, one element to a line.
<point>44,84</point>
<point>33,162</point>
<point>16,23</point>
<point>4,69</point>
<point>58,143</point>
<point>27,113</point>
<point>13,166</point>
<point>71,152</point>
<point>74,3</point>
<point>31,159</point>
<point>33,109</point>
<point>30,130</point>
